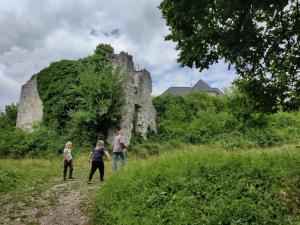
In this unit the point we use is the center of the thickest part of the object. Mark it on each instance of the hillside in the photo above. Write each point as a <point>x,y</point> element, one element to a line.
<point>200,185</point>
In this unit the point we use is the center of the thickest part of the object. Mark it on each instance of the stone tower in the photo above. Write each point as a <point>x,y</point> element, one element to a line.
<point>30,109</point>
<point>138,112</point>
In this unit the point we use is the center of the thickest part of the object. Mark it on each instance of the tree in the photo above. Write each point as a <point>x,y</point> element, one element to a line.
<point>82,99</point>
<point>104,49</point>
<point>261,38</point>
<point>8,118</point>
<point>99,103</point>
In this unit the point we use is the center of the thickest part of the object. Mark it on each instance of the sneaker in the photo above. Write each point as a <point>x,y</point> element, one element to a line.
<point>71,178</point>
<point>89,182</point>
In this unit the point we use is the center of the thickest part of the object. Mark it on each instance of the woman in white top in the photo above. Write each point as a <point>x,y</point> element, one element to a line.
<point>68,161</point>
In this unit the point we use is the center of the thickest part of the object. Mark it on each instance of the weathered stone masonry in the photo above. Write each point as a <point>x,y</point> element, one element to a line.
<point>138,112</point>
<point>30,109</point>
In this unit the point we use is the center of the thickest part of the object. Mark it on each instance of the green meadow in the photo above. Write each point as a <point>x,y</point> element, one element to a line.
<point>202,185</point>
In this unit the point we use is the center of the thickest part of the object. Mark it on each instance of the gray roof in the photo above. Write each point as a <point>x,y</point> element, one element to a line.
<point>199,86</point>
<point>178,90</point>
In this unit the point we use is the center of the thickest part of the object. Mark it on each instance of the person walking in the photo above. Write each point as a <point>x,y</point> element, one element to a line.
<point>68,160</point>
<point>119,150</point>
<point>97,160</point>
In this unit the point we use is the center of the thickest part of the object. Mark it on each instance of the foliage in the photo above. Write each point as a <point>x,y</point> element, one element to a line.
<point>89,96</point>
<point>81,100</point>
<point>259,37</point>
<point>200,186</point>
<point>104,49</point>
<point>99,105</point>
<point>16,143</point>
<point>8,118</point>
<point>228,121</point>
<point>152,146</point>
<point>243,109</point>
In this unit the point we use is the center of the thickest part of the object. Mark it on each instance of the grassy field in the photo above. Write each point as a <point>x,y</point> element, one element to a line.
<point>193,185</point>
<point>198,185</point>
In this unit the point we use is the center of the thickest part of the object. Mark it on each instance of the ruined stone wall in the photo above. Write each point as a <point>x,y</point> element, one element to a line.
<point>138,112</point>
<point>146,111</point>
<point>30,109</point>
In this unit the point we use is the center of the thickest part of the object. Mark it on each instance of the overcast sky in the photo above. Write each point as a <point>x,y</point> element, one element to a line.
<point>34,33</point>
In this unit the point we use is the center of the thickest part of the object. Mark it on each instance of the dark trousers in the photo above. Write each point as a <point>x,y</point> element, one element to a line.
<point>97,165</point>
<point>66,165</point>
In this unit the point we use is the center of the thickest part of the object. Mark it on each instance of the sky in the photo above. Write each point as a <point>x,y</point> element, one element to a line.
<point>35,33</point>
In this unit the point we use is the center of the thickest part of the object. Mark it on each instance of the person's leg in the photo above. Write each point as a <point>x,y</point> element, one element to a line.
<point>93,169</point>
<point>122,154</point>
<point>65,168</point>
<point>101,170</point>
<point>115,158</point>
<point>71,169</point>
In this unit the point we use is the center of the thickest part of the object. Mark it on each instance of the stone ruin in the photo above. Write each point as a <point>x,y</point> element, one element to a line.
<point>138,112</point>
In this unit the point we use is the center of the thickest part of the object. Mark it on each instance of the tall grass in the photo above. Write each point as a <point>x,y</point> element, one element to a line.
<point>202,186</point>
<point>18,176</point>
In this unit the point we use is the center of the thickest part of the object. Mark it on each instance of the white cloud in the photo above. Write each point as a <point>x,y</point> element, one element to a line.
<point>35,33</point>
<point>8,90</point>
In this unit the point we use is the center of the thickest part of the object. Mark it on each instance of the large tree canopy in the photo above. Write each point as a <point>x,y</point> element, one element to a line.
<point>261,38</point>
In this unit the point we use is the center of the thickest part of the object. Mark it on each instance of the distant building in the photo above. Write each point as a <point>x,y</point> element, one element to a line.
<point>200,86</point>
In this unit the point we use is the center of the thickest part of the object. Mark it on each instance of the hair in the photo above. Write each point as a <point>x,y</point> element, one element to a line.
<point>100,143</point>
<point>68,143</point>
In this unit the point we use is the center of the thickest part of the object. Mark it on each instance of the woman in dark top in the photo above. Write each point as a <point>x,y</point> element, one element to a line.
<point>97,160</point>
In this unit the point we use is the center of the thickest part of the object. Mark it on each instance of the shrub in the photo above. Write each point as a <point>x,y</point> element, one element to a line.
<point>229,121</point>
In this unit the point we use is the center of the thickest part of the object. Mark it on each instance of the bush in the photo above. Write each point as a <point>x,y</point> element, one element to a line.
<point>9,179</point>
<point>229,121</point>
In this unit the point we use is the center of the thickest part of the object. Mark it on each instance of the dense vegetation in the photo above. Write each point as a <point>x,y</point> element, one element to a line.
<point>260,38</point>
<point>202,186</point>
<point>227,121</point>
<point>81,101</point>
<point>89,96</point>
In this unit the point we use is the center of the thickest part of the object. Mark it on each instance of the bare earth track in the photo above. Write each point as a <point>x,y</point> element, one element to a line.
<point>64,203</point>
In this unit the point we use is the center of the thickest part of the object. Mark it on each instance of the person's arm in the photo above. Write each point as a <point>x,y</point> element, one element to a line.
<point>64,154</point>
<point>90,156</point>
<point>107,154</point>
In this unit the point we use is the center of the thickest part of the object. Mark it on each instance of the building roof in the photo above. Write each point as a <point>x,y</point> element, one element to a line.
<point>199,86</point>
<point>178,90</point>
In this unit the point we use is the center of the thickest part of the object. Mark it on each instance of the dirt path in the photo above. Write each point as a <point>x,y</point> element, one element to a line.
<point>64,203</point>
<point>68,209</point>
